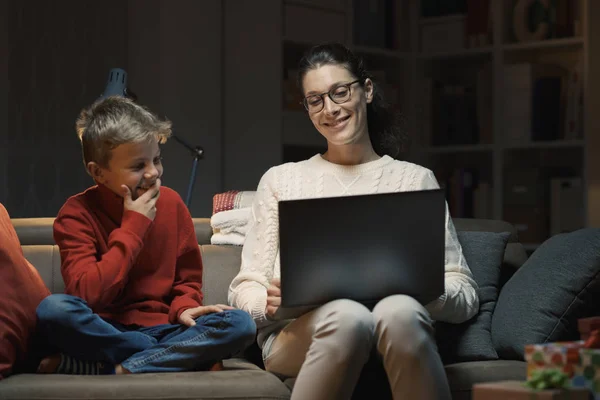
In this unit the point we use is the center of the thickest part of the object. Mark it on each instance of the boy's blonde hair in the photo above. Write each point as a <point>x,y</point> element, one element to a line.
<point>113,121</point>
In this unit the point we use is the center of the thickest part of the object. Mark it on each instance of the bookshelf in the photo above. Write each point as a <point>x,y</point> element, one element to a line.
<point>515,158</point>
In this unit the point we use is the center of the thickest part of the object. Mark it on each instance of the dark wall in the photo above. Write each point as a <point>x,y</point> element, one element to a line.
<point>59,54</point>
<point>3,97</point>
<point>175,68</point>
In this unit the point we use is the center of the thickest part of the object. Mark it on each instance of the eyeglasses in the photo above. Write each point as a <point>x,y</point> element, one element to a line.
<point>339,95</point>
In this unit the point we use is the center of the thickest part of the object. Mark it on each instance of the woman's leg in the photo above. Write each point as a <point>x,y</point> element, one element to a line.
<point>325,349</point>
<point>405,338</point>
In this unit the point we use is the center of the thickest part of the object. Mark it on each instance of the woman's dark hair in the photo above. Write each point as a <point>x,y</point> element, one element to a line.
<point>384,124</point>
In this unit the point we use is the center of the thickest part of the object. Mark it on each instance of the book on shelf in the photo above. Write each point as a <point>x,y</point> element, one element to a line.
<point>468,25</point>
<point>379,24</point>
<point>556,19</point>
<point>438,8</point>
<point>574,104</point>
<point>452,114</point>
<point>292,98</point>
<point>540,103</point>
<point>478,24</point>
<point>467,194</point>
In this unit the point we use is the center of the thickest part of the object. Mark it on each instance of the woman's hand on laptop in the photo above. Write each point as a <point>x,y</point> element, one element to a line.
<point>273,297</point>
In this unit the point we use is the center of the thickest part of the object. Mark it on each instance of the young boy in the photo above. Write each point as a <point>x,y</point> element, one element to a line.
<point>130,262</point>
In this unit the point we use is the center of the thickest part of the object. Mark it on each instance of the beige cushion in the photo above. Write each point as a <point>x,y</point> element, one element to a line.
<point>203,230</point>
<point>46,259</point>
<point>34,230</point>
<point>221,265</point>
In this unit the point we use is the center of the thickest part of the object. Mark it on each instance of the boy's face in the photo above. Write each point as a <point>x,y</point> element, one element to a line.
<point>135,165</point>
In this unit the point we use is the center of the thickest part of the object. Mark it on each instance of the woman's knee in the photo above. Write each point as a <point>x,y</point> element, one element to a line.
<point>348,320</point>
<point>400,308</point>
<point>404,318</point>
<point>57,307</point>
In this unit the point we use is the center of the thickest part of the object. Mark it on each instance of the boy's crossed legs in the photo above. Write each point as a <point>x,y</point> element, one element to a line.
<point>69,325</point>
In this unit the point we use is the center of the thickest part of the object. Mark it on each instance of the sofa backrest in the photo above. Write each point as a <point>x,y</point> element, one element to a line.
<point>38,231</point>
<point>221,263</point>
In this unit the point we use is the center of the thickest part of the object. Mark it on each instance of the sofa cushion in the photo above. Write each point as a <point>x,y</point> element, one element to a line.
<point>472,340</point>
<point>203,230</point>
<point>514,254</point>
<point>22,290</point>
<point>239,380</point>
<point>557,285</point>
<point>34,231</point>
<point>462,376</point>
<point>46,259</point>
<point>221,264</point>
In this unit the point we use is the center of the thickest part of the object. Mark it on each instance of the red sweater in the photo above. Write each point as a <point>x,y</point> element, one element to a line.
<point>130,269</point>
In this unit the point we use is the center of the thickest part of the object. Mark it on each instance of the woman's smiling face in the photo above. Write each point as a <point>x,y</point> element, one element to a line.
<point>340,124</point>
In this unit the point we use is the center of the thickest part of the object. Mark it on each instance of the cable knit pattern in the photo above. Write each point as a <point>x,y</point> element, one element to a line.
<point>317,177</point>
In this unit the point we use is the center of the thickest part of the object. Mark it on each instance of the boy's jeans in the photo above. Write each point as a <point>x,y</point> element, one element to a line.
<point>69,325</point>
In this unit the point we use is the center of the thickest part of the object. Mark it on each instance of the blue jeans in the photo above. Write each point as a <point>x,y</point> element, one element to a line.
<point>71,327</point>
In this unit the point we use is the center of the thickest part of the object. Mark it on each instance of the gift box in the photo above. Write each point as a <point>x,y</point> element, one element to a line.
<point>515,390</point>
<point>563,356</point>
<point>587,371</point>
<point>586,326</point>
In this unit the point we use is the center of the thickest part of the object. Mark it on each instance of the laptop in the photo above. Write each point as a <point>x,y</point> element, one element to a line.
<point>362,248</point>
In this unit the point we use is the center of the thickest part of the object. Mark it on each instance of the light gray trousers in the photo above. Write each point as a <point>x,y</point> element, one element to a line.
<point>327,348</point>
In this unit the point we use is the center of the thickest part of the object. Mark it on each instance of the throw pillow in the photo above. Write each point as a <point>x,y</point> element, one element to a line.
<point>22,290</point>
<point>472,340</point>
<point>543,300</point>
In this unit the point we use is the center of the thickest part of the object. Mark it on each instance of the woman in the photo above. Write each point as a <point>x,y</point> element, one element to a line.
<point>327,347</point>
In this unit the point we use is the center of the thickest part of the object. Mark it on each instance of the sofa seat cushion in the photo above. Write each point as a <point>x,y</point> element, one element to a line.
<point>462,376</point>
<point>239,380</point>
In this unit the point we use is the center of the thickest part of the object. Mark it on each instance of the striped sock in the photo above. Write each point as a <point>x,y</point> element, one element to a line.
<point>72,366</point>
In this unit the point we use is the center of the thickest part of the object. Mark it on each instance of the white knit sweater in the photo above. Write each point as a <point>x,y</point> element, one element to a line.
<point>317,177</point>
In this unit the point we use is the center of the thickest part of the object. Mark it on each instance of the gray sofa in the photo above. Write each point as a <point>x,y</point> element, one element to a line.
<point>243,377</point>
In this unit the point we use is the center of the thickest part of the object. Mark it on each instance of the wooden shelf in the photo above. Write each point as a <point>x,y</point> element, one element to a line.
<point>466,53</point>
<point>299,43</point>
<point>392,54</point>
<point>555,144</point>
<point>315,6</point>
<point>442,19</point>
<point>469,148</point>
<point>545,44</point>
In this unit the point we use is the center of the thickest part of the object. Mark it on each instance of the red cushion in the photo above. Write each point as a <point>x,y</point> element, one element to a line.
<point>21,290</point>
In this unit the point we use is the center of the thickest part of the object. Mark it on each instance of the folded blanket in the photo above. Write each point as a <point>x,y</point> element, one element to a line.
<point>231,217</point>
<point>232,200</point>
<point>231,221</point>
<point>235,239</point>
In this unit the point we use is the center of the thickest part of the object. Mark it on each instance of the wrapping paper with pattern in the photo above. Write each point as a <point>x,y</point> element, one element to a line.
<point>587,371</point>
<point>558,355</point>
